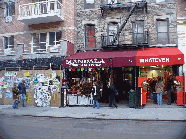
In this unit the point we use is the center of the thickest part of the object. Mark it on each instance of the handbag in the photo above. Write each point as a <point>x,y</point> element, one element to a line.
<point>163,93</point>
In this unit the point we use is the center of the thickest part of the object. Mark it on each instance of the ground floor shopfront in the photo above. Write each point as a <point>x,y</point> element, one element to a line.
<point>43,79</point>
<point>127,69</point>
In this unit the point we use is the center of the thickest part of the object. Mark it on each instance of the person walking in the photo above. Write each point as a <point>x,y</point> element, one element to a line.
<point>96,94</point>
<point>22,92</point>
<point>159,90</point>
<point>113,93</point>
<point>15,96</point>
<point>170,89</point>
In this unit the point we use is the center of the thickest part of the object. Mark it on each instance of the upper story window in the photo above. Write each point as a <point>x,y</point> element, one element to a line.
<point>90,35</point>
<point>111,1</point>
<point>162,31</point>
<point>9,9</point>
<point>112,29</point>
<point>42,41</point>
<point>54,38</point>
<point>8,42</point>
<point>138,32</point>
<point>89,4</point>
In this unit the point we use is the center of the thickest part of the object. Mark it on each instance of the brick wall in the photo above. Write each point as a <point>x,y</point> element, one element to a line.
<point>22,32</point>
<point>155,11</point>
<point>181,5</point>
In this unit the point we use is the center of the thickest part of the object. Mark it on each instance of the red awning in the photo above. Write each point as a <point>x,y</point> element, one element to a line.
<point>101,59</point>
<point>159,56</point>
<point>141,57</point>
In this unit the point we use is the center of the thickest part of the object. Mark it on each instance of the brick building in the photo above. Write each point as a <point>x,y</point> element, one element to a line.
<point>132,41</point>
<point>162,13</point>
<point>39,29</point>
<point>35,36</point>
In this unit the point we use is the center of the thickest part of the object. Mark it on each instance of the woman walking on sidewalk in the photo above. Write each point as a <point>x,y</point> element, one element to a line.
<point>159,90</point>
<point>113,93</point>
<point>15,96</point>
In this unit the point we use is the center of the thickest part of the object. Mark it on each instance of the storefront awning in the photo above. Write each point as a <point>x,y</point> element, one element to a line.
<point>141,57</point>
<point>101,59</point>
<point>159,56</point>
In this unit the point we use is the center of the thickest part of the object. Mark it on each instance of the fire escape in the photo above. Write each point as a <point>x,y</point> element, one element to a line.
<point>134,8</point>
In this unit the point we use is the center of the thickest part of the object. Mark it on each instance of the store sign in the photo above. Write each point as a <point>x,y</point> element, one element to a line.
<point>85,63</point>
<point>148,60</point>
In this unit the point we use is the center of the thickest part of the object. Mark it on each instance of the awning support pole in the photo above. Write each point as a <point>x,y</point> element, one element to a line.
<point>183,88</point>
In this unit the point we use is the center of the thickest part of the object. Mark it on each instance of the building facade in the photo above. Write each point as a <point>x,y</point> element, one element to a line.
<point>155,24</point>
<point>181,27</point>
<point>35,36</point>
<point>128,42</point>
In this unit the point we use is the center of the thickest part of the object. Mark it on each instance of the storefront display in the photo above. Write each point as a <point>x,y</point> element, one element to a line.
<point>80,88</point>
<point>130,66</point>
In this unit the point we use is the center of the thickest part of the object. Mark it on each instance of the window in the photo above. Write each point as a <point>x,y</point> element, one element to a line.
<point>42,40</point>
<point>8,42</point>
<point>89,4</point>
<point>9,9</point>
<point>138,32</point>
<point>54,38</point>
<point>110,1</point>
<point>89,35</point>
<point>112,31</point>
<point>162,32</point>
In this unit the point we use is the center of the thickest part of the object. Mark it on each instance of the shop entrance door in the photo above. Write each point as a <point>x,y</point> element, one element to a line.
<point>123,80</point>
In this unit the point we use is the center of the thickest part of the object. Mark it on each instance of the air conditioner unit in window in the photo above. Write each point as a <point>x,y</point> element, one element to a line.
<point>54,48</point>
<point>7,51</point>
<point>8,19</point>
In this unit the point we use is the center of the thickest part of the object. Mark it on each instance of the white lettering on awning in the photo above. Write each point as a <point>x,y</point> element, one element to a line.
<point>141,60</point>
<point>155,60</point>
<point>85,63</point>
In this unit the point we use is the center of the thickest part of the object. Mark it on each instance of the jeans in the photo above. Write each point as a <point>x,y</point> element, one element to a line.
<point>15,105</point>
<point>169,93</point>
<point>22,97</point>
<point>96,104</point>
<point>159,99</point>
<point>112,101</point>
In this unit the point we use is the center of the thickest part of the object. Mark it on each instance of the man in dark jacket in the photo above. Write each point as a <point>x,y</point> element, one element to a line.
<point>22,92</point>
<point>113,93</point>
<point>96,94</point>
<point>170,88</point>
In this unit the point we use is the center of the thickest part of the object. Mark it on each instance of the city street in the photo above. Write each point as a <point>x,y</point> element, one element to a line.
<point>24,127</point>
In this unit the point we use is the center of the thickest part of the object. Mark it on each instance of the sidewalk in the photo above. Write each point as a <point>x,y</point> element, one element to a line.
<point>158,114</point>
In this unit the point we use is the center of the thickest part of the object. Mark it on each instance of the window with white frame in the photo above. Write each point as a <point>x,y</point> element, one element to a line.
<point>138,32</point>
<point>112,30</point>
<point>54,38</point>
<point>162,31</point>
<point>111,1</point>
<point>8,42</point>
<point>42,41</point>
<point>9,9</point>
<point>89,4</point>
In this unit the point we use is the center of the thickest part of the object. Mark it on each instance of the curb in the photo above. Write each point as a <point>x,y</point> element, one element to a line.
<point>26,115</point>
<point>100,118</point>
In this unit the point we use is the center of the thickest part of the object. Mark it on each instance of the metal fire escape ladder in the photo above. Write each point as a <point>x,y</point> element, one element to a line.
<point>116,37</point>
